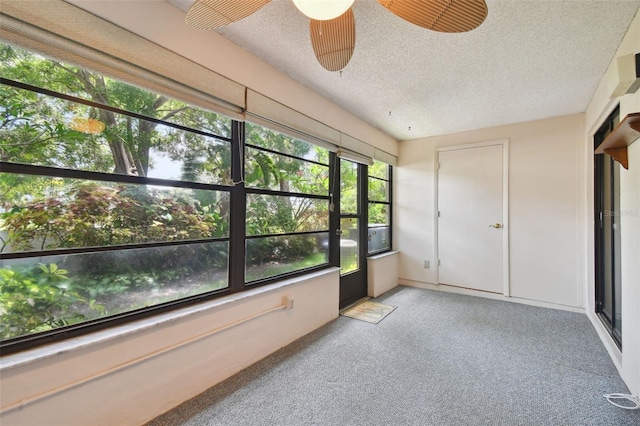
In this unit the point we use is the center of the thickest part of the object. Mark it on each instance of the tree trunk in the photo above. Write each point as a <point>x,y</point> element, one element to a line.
<point>119,152</point>
<point>130,157</point>
<point>122,157</point>
<point>145,131</point>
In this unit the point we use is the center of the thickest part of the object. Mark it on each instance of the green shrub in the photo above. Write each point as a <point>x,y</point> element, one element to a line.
<point>37,298</point>
<point>90,215</point>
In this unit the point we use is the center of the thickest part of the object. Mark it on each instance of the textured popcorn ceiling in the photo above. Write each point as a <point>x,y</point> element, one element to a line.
<point>530,59</point>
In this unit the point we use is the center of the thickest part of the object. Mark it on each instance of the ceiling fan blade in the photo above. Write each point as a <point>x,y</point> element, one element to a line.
<point>208,14</point>
<point>446,16</point>
<point>333,41</point>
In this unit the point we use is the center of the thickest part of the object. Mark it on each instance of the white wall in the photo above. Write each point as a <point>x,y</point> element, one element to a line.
<point>628,361</point>
<point>543,207</point>
<point>114,378</point>
<point>382,273</point>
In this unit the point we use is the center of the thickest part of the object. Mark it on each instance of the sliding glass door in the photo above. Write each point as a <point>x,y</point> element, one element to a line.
<point>607,234</point>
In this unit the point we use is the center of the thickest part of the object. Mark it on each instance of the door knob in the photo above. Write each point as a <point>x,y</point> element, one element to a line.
<point>496,225</point>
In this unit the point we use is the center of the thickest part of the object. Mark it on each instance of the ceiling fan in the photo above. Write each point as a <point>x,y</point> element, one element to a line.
<point>332,25</point>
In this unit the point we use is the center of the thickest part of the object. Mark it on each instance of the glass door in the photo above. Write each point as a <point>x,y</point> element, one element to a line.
<point>353,232</point>
<point>608,235</point>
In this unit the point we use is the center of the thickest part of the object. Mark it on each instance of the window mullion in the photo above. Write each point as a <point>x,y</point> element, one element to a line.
<point>363,193</point>
<point>238,210</point>
<point>334,212</point>
<point>390,188</point>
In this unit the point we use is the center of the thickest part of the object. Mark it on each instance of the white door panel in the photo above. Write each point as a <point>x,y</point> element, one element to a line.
<point>470,226</point>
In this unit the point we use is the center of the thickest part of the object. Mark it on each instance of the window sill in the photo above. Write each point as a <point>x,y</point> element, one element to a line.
<point>382,255</point>
<point>48,351</point>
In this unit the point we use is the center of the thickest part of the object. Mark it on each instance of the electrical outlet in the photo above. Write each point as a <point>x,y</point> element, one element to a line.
<point>425,265</point>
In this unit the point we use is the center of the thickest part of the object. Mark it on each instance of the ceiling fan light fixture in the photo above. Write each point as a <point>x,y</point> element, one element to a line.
<point>323,10</point>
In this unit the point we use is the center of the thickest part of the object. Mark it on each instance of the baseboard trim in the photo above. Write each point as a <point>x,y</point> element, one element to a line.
<point>607,341</point>
<point>495,296</point>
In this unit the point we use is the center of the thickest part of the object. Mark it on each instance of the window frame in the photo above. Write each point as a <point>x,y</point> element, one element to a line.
<point>31,340</point>
<point>602,254</point>
<point>388,203</point>
<point>236,238</point>
<point>265,191</point>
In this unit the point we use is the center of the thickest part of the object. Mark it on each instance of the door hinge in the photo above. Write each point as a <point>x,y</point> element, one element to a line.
<point>439,262</point>
<point>438,213</point>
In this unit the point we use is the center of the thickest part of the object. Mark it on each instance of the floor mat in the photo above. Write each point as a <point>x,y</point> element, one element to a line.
<point>368,311</point>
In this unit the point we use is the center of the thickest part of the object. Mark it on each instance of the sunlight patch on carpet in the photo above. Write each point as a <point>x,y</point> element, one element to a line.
<point>368,311</point>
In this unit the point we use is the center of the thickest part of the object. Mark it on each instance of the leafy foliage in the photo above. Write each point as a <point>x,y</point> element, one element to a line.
<point>378,191</point>
<point>90,215</point>
<point>37,299</point>
<point>33,131</point>
<point>126,145</point>
<point>348,187</point>
<point>278,214</point>
<point>274,214</point>
<point>39,213</point>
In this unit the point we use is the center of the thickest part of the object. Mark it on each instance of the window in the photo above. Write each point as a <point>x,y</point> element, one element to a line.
<point>114,199</point>
<point>117,202</point>
<point>287,204</point>
<point>379,229</point>
<point>351,219</point>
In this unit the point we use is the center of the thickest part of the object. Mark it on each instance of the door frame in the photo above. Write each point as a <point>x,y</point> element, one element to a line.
<point>353,285</point>
<point>505,206</point>
<point>605,126</point>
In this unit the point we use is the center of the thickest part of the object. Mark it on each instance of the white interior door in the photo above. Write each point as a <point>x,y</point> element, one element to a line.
<point>471,225</point>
